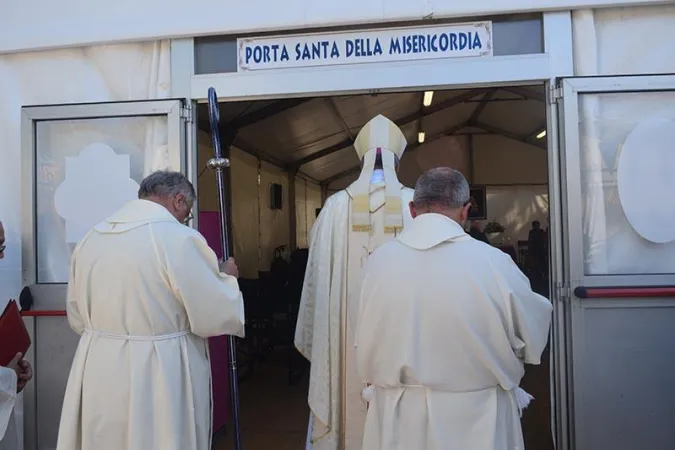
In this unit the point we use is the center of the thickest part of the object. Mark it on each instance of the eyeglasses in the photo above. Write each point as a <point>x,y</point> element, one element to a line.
<point>3,247</point>
<point>188,219</point>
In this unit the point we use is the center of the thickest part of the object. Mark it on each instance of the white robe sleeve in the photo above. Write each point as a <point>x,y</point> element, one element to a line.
<point>317,329</point>
<point>316,287</point>
<point>212,299</point>
<point>8,381</point>
<point>529,312</point>
<point>75,318</point>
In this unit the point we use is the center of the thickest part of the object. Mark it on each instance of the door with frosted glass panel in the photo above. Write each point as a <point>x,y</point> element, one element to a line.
<point>619,178</point>
<point>80,163</point>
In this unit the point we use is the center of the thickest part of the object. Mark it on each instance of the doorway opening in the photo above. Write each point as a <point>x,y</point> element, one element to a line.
<point>289,155</point>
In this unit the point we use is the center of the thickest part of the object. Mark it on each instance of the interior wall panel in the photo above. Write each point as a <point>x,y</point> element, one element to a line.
<point>245,222</point>
<point>301,212</point>
<point>500,160</point>
<point>274,223</point>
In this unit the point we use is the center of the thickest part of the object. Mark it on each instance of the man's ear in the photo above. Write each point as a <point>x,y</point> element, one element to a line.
<point>413,213</point>
<point>177,200</point>
<point>464,213</point>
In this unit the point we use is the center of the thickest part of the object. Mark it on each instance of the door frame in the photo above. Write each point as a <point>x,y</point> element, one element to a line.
<point>560,407</point>
<point>570,89</point>
<point>31,115</point>
<point>49,298</point>
<point>570,321</point>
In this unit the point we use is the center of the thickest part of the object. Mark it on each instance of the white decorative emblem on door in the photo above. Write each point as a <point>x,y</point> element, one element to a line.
<point>646,179</point>
<point>96,184</point>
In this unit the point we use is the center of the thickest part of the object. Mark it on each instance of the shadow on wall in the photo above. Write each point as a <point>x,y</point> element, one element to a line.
<point>516,207</point>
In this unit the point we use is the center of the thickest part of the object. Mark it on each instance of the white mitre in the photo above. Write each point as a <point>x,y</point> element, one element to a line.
<point>379,134</point>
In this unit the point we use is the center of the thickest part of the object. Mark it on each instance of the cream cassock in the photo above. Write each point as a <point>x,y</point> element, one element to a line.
<point>351,225</point>
<point>145,292</point>
<point>446,324</point>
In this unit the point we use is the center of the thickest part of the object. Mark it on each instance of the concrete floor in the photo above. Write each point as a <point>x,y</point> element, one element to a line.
<point>537,417</point>
<point>274,415</point>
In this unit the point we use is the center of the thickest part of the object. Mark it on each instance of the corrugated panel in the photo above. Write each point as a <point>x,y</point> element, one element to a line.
<point>296,132</point>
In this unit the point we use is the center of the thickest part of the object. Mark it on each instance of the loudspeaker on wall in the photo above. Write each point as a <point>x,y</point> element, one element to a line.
<point>275,196</point>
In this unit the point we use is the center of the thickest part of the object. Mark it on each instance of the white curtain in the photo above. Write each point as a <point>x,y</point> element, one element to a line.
<point>93,74</point>
<point>620,41</point>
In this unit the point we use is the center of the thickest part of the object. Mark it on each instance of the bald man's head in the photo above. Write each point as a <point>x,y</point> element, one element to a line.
<point>442,190</point>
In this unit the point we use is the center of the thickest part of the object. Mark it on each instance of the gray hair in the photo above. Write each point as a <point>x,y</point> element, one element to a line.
<point>441,187</point>
<point>164,183</point>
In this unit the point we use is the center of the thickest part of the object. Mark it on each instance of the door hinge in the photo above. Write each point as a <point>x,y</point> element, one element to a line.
<point>554,94</point>
<point>186,113</point>
<point>563,292</point>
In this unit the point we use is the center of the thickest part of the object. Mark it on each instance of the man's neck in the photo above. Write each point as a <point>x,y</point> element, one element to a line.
<point>449,213</point>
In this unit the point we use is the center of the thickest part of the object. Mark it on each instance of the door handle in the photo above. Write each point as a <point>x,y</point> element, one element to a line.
<point>44,313</point>
<point>624,291</point>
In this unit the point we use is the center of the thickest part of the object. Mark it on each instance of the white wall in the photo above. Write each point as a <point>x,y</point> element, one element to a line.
<point>624,41</point>
<point>41,24</point>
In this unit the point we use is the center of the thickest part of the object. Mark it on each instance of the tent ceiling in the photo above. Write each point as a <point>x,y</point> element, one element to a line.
<point>315,135</point>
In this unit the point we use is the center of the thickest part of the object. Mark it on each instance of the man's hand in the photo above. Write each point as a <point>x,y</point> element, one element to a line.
<point>25,376</point>
<point>23,370</point>
<point>230,267</point>
<point>14,364</point>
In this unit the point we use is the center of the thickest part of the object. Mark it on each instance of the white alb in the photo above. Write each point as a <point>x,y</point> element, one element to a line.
<point>445,327</point>
<point>145,293</point>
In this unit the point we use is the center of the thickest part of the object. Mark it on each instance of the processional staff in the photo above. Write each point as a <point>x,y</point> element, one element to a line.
<point>218,164</point>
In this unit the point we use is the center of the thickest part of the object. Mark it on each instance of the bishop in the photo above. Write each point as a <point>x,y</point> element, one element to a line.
<point>351,225</point>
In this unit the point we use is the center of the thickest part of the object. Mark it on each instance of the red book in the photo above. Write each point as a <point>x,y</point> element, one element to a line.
<point>14,337</point>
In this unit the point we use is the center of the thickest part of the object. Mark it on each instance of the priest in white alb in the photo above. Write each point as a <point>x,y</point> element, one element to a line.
<point>145,293</point>
<point>352,223</point>
<point>13,379</point>
<point>445,327</point>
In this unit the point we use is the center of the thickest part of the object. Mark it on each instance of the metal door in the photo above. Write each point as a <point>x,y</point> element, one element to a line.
<point>79,163</point>
<point>618,333</point>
